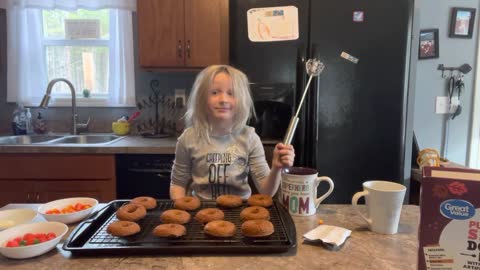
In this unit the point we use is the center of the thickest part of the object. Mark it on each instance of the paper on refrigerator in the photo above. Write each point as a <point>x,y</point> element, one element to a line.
<point>272,24</point>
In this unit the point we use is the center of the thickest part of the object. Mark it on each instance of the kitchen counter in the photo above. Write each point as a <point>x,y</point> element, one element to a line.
<point>363,250</point>
<point>126,145</point>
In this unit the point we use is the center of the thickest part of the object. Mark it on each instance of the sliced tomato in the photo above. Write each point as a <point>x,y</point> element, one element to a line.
<point>28,236</point>
<point>12,243</point>
<point>43,238</point>
<point>30,241</point>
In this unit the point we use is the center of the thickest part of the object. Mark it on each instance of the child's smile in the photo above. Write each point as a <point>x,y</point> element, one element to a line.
<point>221,101</point>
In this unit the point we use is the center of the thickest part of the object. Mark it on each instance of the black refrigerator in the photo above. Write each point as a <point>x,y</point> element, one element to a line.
<point>356,123</point>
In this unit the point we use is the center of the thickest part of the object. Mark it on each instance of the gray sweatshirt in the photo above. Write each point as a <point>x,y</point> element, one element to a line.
<point>221,167</point>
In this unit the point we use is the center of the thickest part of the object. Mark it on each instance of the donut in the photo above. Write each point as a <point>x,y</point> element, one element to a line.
<point>255,213</point>
<point>170,230</point>
<point>123,228</point>
<point>175,216</point>
<point>257,228</point>
<point>220,228</point>
<point>209,214</point>
<point>260,200</point>
<point>187,203</point>
<point>131,212</point>
<point>147,202</point>
<point>229,201</point>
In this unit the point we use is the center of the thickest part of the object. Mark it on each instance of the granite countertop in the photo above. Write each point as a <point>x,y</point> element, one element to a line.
<point>363,250</point>
<point>126,145</point>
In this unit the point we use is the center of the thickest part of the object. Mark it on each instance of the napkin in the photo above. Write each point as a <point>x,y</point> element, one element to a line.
<point>331,236</point>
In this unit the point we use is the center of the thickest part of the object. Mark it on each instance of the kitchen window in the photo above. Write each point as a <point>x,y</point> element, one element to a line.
<point>90,43</point>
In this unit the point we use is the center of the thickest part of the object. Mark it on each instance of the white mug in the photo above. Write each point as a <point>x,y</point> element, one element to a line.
<point>299,190</point>
<point>384,201</point>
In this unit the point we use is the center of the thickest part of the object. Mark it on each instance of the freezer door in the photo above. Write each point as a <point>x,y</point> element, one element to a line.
<point>358,121</point>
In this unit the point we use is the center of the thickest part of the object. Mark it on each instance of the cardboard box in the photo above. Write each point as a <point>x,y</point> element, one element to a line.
<point>449,232</point>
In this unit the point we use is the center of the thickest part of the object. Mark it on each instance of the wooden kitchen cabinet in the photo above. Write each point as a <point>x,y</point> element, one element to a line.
<point>40,178</point>
<point>182,33</point>
<point>16,191</point>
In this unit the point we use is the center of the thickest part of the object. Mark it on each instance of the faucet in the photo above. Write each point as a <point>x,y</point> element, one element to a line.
<point>46,99</point>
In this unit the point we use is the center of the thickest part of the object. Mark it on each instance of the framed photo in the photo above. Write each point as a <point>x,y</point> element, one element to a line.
<point>461,22</point>
<point>428,47</point>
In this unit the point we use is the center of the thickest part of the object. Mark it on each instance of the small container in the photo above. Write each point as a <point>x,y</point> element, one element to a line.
<point>39,125</point>
<point>13,217</point>
<point>121,128</point>
<point>70,217</point>
<point>24,252</point>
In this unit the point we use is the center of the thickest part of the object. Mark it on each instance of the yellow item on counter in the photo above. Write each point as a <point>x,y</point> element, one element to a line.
<point>428,157</point>
<point>121,128</point>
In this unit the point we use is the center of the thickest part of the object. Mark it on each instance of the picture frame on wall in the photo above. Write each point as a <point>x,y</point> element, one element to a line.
<point>462,22</point>
<point>428,47</point>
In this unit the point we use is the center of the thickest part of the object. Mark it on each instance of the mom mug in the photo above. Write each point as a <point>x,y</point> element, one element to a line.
<point>383,200</point>
<point>299,190</point>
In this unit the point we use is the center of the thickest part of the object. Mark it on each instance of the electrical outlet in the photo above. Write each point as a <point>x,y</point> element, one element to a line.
<point>180,98</point>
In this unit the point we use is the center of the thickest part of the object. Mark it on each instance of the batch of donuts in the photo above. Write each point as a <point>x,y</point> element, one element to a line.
<point>255,217</point>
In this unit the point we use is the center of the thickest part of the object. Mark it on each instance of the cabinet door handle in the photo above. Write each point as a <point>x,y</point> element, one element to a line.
<point>38,197</point>
<point>28,197</point>
<point>188,48</point>
<point>179,49</point>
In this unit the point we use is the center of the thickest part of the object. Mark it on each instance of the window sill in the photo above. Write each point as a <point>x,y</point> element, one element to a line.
<point>83,102</point>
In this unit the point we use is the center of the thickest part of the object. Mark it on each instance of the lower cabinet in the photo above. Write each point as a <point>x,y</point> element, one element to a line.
<point>14,191</point>
<point>40,178</point>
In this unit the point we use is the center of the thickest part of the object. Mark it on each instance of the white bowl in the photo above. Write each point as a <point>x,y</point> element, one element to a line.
<point>13,217</point>
<point>34,250</point>
<point>67,218</point>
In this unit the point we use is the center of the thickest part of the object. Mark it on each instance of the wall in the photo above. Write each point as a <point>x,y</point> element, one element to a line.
<point>428,126</point>
<point>59,119</point>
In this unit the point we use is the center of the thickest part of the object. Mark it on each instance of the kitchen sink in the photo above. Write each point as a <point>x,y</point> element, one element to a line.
<point>86,139</point>
<point>27,139</point>
<point>95,139</point>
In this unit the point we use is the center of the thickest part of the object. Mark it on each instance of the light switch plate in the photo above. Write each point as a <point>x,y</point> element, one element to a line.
<point>443,105</point>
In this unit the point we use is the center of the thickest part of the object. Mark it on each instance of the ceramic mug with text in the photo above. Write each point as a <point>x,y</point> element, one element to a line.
<point>299,190</point>
<point>383,200</point>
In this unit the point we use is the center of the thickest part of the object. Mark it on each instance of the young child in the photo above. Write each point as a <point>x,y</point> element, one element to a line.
<point>217,151</point>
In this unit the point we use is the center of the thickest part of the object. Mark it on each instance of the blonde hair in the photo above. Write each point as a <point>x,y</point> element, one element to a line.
<point>196,115</point>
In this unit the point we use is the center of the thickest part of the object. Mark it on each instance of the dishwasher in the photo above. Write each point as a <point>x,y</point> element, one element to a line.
<point>143,175</point>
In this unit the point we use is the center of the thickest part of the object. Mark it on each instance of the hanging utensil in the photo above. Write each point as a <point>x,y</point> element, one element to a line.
<point>314,67</point>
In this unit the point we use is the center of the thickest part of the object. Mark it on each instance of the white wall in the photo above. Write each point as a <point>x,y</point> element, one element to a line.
<point>428,126</point>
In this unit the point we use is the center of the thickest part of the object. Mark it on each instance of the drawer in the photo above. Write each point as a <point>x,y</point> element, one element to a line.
<point>57,166</point>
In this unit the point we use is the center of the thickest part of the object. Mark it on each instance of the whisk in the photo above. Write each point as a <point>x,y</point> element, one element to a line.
<point>314,67</point>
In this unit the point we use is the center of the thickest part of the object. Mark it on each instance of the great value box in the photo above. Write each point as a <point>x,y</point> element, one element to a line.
<point>449,232</point>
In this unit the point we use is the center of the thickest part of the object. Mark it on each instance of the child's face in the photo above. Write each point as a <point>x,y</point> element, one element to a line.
<point>221,102</point>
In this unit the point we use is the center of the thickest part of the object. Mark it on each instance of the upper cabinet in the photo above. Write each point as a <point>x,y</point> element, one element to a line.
<point>182,33</point>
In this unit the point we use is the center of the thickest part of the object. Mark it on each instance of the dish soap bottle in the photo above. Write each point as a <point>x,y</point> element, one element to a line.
<point>40,126</point>
<point>28,121</point>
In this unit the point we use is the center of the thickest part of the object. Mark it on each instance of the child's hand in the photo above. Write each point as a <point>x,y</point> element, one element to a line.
<point>283,156</point>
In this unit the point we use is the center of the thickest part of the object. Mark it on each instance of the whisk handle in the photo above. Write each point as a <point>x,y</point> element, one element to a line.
<point>291,130</point>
